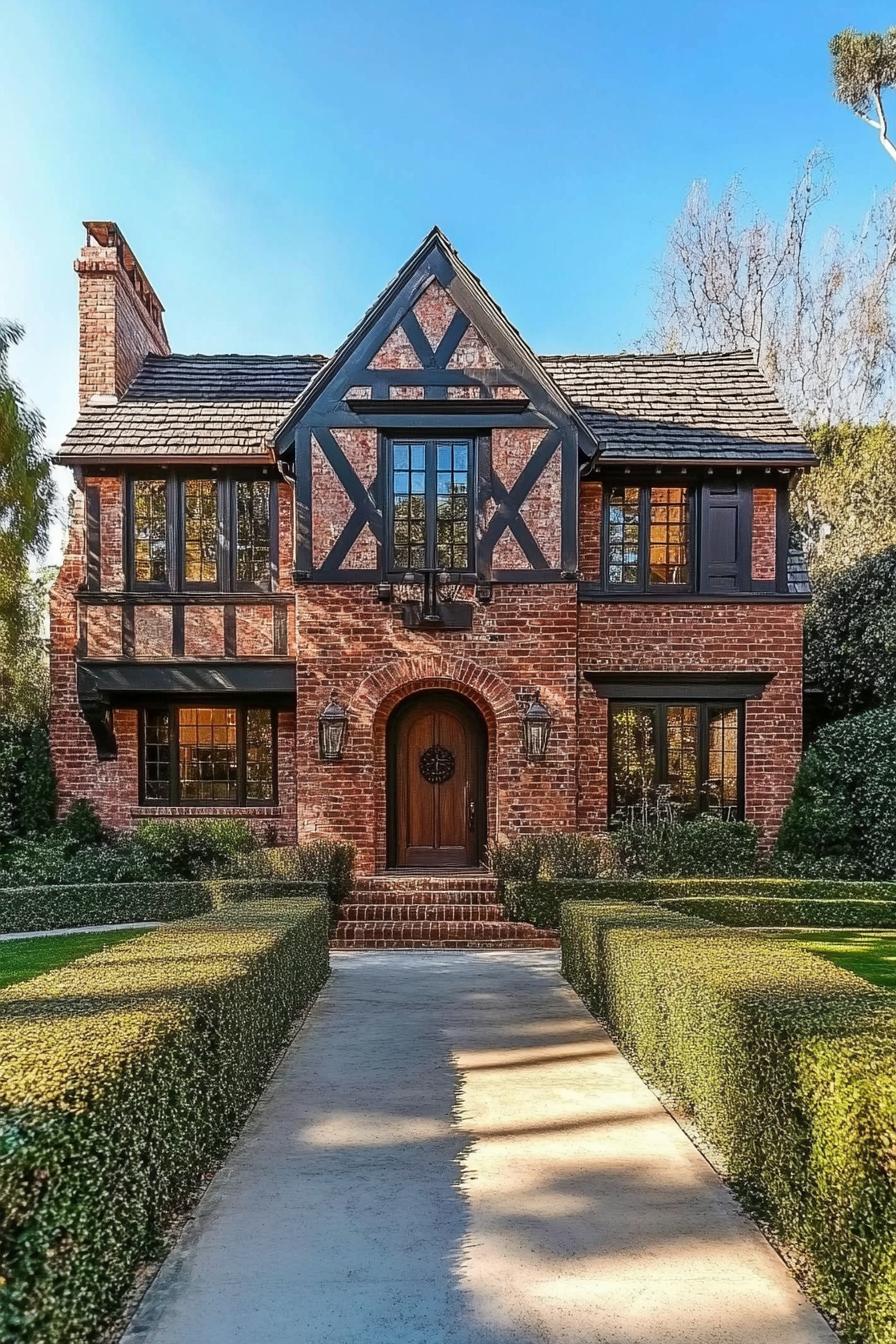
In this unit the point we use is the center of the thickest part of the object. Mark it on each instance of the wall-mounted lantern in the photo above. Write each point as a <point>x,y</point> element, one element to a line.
<point>331,728</point>
<point>536,729</point>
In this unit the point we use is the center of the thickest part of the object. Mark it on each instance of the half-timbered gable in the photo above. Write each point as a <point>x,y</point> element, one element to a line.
<point>435,360</point>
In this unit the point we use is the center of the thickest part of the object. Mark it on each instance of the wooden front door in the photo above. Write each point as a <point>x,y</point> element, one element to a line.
<point>436,784</point>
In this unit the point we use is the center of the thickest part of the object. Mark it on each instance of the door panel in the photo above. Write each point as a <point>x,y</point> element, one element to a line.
<point>436,783</point>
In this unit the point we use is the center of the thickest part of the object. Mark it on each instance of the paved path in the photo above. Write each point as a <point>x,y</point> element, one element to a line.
<point>452,1152</point>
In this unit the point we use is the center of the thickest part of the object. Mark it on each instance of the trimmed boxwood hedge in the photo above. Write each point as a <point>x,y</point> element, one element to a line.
<point>788,1065</point>
<point>769,912</point>
<point>539,902</point>
<point>123,1078</point>
<point>25,908</point>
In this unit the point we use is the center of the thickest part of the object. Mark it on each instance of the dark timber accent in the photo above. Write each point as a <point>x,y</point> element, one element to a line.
<point>230,631</point>
<point>280,631</point>
<point>94,537</point>
<point>671,686</point>
<point>540,404</point>
<point>120,680</point>
<point>177,630</point>
<point>127,629</point>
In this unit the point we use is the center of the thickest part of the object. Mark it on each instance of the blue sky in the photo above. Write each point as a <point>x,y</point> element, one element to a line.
<point>273,164</point>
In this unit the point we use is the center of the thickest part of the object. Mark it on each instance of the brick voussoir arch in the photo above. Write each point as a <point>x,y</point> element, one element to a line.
<point>383,688</point>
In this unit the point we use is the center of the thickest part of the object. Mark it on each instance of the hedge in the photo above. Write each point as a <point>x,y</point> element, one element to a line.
<point>539,902</point>
<point>123,1078</point>
<point>328,861</point>
<point>767,912</point>
<point>788,1065</point>
<point>24,908</point>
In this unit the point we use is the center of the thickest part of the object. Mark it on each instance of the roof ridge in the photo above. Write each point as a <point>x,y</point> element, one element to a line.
<point>176,354</point>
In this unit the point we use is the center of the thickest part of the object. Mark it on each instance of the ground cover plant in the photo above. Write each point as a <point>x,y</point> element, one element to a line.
<point>868,954</point>
<point>787,1063</point>
<point>123,1078</point>
<point>23,958</point>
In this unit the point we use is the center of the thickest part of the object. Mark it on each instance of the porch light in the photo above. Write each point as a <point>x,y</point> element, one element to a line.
<point>331,727</point>
<point>536,729</point>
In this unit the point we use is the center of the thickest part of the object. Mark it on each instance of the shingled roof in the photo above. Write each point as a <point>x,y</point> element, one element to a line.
<point>711,408</point>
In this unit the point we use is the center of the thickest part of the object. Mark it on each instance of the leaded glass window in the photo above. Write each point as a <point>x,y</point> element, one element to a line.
<point>648,537</point>
<point>431,505</point>
<point>669,761</point>
<point>669,535</point>
<point>253,533</point>
<point>208,755</point>
<point>150,531</point>
<point>200,524</point>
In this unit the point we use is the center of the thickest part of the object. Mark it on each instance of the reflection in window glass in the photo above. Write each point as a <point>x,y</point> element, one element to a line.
<point>150,532</point>
<point>201,531</point>
<point>409,506</point>
<point>681,756</point>
<point>722,765</point>
<point>624,535</point>
<point>207,751</point>
<point>668,534</point>
<point>259,755</point>
<point>253,532</point>
<point>633,754</point>
<point>452,506</point>
<point>156,756</point>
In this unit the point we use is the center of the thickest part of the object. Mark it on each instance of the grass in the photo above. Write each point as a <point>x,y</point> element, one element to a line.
<point>23,958</point>
<point>870,955</point>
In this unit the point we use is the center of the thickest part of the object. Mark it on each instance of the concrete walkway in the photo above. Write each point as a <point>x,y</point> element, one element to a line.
<point>452,1152</point>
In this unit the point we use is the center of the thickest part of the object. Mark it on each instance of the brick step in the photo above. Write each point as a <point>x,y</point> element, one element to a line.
<point>410,911</point>
<point>431,933</point>
<point>376,942</point>
<point>449,882</point>
<point>394,896</point>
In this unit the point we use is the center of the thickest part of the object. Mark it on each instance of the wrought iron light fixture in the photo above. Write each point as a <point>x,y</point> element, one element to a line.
<point>537,723</point>
<point>331,728</point>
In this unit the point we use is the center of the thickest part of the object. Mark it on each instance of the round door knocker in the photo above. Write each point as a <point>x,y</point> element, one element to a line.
<point>436,765</point>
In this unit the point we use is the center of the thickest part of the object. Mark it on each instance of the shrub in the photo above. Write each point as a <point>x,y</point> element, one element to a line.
<point>788,1065</point>
<point>63,907</point>
<point>123,1077</point>
<point>553,855</point>
<point>172,849</point>
<point>851,636</point>
<point>704,847</point>
<point>27,787</point>
<point>768,912</point>
<point>329,861</point>
<point>843,809</point>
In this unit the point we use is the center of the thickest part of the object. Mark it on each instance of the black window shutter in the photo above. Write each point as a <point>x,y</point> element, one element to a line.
<point>725,538</point>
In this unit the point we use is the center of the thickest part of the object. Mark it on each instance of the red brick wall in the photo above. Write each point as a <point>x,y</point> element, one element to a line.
<point>357,647</point>
<point>116,329</point>
<point>765,506</point>
<point>590,503</point>
<point>698,637</point>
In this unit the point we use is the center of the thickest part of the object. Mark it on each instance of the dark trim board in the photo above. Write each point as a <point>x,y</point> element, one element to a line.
<point>679,686</point>
<point>254,678</point>
<point>406,407</point>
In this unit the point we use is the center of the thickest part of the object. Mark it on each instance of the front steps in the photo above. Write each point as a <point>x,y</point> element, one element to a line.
<point>437,911</point>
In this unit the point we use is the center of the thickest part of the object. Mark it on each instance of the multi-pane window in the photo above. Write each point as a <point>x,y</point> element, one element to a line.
<point>149,503</point>
<point>253,533</point>
<point>430,505</point>
<point>208,754</point>
<point>223,529</point>
<point>671,761</point>
<point>648,540</point>
<point>200,529</point>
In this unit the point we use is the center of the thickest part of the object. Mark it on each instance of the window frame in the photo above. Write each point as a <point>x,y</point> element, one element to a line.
<point>431,443</point>
<point>657,709</point>
<point>227,552</point>
<point>172,708</point>
<point>643,585</point>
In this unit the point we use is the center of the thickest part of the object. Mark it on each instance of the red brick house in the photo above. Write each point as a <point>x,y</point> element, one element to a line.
<point>450,541</point>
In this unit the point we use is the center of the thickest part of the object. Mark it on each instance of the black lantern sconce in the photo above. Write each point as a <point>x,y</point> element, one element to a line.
<point>331,728</point>
<point>537,724</point>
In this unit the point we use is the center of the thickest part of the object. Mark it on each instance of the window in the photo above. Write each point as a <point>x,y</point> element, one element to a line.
<point>648,541</point>
<point>674,760</point>
<point>207,755</point>
<point>149,509</point>
<point>221,528</point>
<point>200,533</point>
<point>430,505</point>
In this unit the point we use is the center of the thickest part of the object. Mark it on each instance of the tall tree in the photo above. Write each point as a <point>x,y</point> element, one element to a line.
<point>819,317</point>
<point>26,500</point>
<point>864,66</point>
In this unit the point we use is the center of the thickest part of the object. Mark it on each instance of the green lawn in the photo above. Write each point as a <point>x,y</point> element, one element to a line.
<point>23,958</point>
<point>871,955</point>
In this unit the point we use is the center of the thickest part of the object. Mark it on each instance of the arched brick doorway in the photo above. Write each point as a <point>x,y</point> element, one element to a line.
<point>436,806</point>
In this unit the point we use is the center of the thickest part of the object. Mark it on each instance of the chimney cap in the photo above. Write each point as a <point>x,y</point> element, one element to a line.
<point>106,233</point>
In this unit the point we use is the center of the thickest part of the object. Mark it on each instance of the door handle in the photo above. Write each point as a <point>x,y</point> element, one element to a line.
<point>471,815</point>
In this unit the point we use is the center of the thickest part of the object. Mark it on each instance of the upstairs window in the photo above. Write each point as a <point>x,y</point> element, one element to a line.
<point>207,755</point>
<point>149,509</point>
<point>671,761</point>
<point>648,538</point>
<point>213,533</point>
<point>430,505</point>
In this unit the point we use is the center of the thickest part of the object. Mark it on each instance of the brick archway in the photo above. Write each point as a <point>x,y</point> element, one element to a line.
<point>384,689</point>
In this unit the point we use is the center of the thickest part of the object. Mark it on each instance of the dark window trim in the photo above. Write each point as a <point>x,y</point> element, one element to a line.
<point>644,586</point>
<point>431,441</point>
<point>174,799</point>
<point>704,708</point>
<point>226,483</point>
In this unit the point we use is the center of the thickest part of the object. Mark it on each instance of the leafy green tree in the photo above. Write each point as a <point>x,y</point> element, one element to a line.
<point>851,636</point>
<point>864,66</point>
<point>26,499</point>
<point>846,507</point>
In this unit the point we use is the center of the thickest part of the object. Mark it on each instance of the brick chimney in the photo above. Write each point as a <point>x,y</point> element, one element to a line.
<point>119,313</point>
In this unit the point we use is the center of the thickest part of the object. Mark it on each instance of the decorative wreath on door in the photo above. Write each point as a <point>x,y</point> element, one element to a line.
<point>436,765</point>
